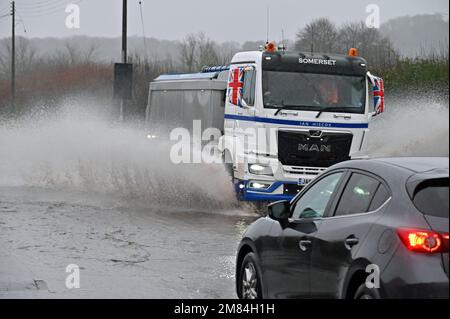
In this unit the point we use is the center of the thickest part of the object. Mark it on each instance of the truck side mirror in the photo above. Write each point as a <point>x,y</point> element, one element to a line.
<point>280,211</point>
<point>244,104</point>
<point>377,93</point>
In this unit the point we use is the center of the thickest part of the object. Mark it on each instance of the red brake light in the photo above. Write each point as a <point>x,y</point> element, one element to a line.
<point>424,241</point>
<point>445,243</point>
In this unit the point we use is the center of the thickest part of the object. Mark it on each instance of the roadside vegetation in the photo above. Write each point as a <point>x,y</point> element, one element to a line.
<point>43,81</point>
<point>418,76</point>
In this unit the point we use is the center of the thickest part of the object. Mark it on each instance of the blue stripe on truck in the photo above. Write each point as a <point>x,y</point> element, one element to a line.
<point>296,123</point>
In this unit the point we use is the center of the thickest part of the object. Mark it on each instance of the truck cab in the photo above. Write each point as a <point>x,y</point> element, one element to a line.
<point>289,116</point>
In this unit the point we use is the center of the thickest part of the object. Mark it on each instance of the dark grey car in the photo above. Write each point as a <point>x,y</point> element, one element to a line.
<point>363,229</point>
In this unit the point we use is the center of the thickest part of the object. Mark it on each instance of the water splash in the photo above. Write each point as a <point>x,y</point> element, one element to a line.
<point>82,152</point>
<point>411,127</point>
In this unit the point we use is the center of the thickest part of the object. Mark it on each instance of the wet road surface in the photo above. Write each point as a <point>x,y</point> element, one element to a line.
<point>123,250</point>
<point>75,189</point>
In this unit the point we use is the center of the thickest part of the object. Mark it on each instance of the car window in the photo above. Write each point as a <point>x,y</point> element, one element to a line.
<point>381,196</point>
<point>357,195</point>
<point>432,198</point>
<point>314,202</point>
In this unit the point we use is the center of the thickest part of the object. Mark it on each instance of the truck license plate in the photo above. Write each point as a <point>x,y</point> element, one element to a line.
<point>303,181</point>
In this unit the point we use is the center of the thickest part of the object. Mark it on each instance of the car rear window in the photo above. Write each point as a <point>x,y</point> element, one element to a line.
<point>431,198</point>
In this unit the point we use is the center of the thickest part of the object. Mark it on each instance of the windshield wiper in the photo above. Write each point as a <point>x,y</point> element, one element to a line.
<point>329,109</point>
<point>287,107</point>
<point>281,108</point>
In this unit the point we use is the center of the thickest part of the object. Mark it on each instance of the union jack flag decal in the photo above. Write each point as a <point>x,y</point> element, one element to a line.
<point>378,93</point>
<point>236,86</point>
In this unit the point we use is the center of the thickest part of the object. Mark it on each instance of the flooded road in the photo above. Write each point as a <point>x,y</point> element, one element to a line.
<point>122,251</point>
<point>77,190</point>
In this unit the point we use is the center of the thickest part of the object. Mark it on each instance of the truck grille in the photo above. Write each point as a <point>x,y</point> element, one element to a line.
<point>311,171</point>
<point>313,149</point>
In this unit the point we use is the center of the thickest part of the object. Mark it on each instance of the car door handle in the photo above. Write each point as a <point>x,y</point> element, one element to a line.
<point>351,241</point>
<point>304,244</point>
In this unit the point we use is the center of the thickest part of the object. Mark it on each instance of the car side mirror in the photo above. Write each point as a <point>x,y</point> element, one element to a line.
<point>280,211</point>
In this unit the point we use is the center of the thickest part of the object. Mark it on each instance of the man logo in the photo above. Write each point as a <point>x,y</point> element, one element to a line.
<point>316,134</point>
<point>314,148</point>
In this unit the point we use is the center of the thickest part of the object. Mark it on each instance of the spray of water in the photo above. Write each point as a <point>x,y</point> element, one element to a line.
<point>82,152</point>
<point>411,127</point>
<point>79,151</point>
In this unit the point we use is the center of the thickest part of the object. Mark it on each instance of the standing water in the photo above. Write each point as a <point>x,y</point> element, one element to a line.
<point>77,190</point>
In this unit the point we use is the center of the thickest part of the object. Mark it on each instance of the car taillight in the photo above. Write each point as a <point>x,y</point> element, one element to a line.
<point>424,241</point>
<point>445,243</point>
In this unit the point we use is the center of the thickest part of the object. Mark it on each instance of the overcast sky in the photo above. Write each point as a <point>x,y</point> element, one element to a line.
<point>222,20</point>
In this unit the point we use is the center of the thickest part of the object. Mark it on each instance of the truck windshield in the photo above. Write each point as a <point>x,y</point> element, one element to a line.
<point>314,92</point>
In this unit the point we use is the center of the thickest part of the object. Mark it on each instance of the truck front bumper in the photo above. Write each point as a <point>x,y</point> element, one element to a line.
<point>278,191</point>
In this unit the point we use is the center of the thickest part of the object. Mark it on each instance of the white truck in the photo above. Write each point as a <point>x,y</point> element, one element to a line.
<point>284,116</point>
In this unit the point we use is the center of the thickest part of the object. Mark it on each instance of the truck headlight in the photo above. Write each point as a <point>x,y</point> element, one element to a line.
<point>258,169</point>
<point>259,185</point>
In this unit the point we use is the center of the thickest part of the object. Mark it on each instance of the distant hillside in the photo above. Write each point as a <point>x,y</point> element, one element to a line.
<point>109,49</point>
<point>106,49</point>
<point>421,35</point>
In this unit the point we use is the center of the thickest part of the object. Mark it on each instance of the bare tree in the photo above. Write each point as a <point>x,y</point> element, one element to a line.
<point>58,58</point>
<point>207,52</point>
<point>73,53</point>
<point>26,57</point>
<point>321,35</point>
<point>349,35</point>
<point>378,50</point>
<point>226,51</point>
<point>5,58</point>
<point>359,36</point>
<point>90,54</point>
<point>188,48</point>
<point>197,51</point>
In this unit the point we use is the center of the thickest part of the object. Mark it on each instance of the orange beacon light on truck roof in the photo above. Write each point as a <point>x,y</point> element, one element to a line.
<point>353,52</point>
<point>271,47</point>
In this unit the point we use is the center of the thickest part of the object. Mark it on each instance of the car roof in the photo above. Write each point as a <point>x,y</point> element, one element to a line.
<point>411,164</point>
<point>399,170</point>
<point>417,164</point>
